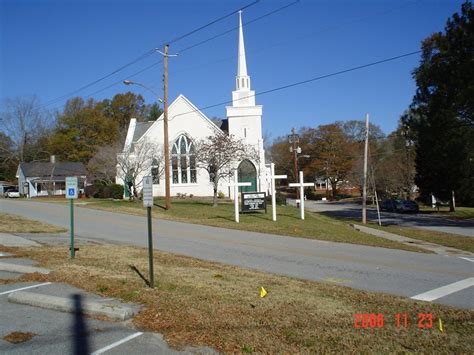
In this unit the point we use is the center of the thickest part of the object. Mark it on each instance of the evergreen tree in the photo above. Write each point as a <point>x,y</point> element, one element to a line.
<point>442,117</point>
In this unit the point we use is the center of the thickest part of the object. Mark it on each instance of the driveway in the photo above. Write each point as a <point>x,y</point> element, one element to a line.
<point>423,221</point>
<point>368,268</point>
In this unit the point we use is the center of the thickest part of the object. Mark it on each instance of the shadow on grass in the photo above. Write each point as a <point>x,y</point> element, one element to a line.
<point>134,268</point>
<point>258,215</point>
<point>160,206</point>
<point>231,219</point>
<point>288,216</point>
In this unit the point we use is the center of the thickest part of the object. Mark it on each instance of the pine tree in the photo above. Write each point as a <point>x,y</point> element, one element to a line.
<point>443,120</point>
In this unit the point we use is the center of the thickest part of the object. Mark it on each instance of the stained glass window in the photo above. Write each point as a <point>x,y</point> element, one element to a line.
<point>183,161</point>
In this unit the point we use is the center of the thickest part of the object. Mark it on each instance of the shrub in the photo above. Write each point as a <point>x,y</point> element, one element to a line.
<point>116,191</point>
<point>99,190</point>
<point>280,199</point>
<point>220,194</point>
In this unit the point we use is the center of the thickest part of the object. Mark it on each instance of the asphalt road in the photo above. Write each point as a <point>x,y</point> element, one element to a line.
<point>423,221</point>
<point>368,268</point>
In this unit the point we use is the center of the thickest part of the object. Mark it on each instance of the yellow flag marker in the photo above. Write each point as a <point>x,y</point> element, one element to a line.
<point>440,325</point>
<point>263,292</point>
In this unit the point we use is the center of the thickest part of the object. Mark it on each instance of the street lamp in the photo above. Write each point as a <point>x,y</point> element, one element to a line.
<point>166,144</point>
<point>130,82</point>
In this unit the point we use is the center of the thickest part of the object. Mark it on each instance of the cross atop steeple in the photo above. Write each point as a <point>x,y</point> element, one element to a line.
<point>242,80</point>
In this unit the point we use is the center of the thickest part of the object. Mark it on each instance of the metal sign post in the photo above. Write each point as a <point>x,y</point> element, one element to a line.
<point>148,203</point>
<point>301,184</point>
<point>236,185</point>
<point>272,178</point>
<point>71,195</point>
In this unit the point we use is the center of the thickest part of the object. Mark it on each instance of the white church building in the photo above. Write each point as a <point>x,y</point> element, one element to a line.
<point>186,125</point>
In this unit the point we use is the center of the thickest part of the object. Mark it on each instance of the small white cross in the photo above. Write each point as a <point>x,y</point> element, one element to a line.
<point>301,185</point>
<point>236,185</point>
<point>272,177</point>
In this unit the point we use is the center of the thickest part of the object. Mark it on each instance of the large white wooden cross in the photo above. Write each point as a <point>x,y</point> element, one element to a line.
<point>236,184</point>
<point>272,177</point>
<point>301,184</point>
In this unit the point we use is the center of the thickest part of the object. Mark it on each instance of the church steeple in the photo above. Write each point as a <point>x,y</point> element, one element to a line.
<point>242,80</point>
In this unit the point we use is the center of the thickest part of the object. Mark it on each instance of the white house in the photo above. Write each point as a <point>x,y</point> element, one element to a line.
<point>186,124</point>
<point>44,178</point>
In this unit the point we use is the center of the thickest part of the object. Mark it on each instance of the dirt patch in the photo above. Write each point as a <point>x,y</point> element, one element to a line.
<point>18,337</point>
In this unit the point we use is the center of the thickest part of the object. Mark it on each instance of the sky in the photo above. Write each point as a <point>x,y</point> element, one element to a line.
<point>52,48</point>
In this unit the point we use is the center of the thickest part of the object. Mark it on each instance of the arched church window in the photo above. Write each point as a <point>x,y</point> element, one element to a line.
<point>243,82</point>
<point>183,161</point>
<point>155,171</point>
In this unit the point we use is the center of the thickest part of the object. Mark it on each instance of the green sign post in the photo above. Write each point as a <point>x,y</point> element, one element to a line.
<point>148,203</point>
<point>71,194</point>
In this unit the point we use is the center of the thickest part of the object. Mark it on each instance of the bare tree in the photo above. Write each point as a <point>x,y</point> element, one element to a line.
<point>103,165</point>
<point>26,125</point>
<point>139,160</point>
<point>219,154</point>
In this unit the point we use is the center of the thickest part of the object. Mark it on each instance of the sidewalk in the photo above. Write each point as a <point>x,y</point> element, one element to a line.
<point>436,248</point>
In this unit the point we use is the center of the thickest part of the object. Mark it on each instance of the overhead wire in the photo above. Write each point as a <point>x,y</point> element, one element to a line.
<point>237,27</point>
<point>317,78</point>
<point>211,23</point>
<point>143,56</point>
<point>197,44</point>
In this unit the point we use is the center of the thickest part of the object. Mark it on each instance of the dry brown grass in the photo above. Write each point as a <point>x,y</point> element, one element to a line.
<point>202,303</point>
<point>16,224</point>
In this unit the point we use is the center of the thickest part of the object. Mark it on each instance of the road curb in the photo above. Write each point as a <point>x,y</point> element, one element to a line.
<point>63,304</point>
<point>436,248</point>
<point>24,269</point>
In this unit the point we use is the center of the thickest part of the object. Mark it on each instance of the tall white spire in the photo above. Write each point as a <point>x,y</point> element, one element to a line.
<point>242,79</point>
<point>242,63</point>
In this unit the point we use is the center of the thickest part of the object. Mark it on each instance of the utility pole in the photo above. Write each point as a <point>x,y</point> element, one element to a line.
<point>364,191</point>
<point>293,139</point>
<point>165,129</point>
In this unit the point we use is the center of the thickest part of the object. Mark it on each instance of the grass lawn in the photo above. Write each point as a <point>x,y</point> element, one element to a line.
<point>16,224</point>
<point>315,226</point>
<point>460,213</point>
<point>201,303</point>
<point>449,240</point>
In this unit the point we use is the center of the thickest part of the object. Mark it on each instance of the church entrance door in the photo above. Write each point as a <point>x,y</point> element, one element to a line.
<point>247,173</point>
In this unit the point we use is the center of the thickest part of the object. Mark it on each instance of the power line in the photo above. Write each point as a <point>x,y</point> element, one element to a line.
<point>221,34</point>
<point>143,56</point>
<point>211,23</point>
<point>237,27</point>
<point>284,87</point>
<point>262,48</point>
<point>187,48</point>
<point>60,98</point>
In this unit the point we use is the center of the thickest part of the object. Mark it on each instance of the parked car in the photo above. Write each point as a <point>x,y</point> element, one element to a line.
<point>12,193</point>
<point>400,206</point>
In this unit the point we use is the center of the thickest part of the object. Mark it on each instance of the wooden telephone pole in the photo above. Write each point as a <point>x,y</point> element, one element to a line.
<point>294,140</point>
<point>165,129</point>
<point>364,191</point>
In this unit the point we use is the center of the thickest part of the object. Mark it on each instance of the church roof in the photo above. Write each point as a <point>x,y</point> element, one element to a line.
<point>140,129</point>
<point>225,125</point>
